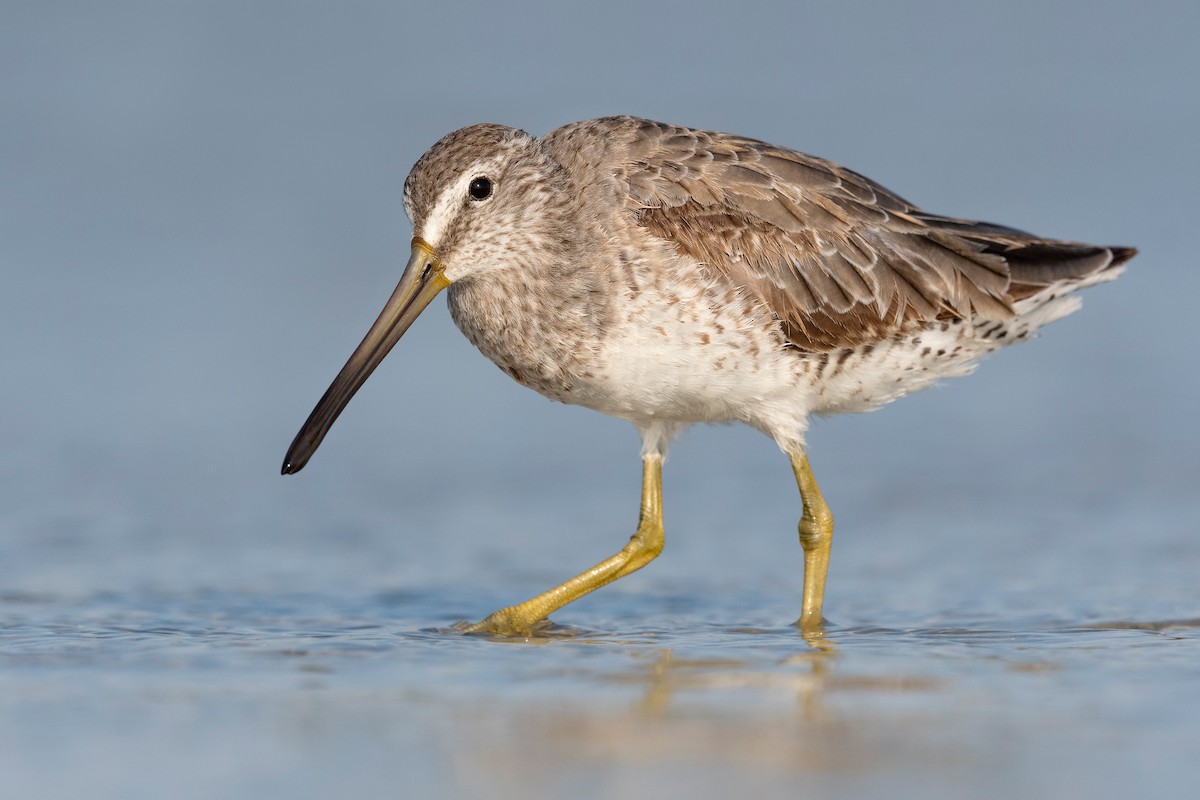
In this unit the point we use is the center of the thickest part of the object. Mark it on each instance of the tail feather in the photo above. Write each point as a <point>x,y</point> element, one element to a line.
<point>1036,263</point>
<point>1043,264</point>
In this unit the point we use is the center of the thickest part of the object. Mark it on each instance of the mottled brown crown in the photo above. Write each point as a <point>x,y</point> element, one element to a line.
<point>452,154</point>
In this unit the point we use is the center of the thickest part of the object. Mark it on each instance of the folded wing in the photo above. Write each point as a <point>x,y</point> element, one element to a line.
<point>837,258</point>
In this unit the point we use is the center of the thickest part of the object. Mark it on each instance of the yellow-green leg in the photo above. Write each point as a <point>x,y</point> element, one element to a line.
<point>816,536</point>
<point>643,547</point>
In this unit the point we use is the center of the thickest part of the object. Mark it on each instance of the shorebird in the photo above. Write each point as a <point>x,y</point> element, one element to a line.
<point>670,276</point>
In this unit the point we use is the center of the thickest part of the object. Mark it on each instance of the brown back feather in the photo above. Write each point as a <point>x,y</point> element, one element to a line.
<point>837,258</point>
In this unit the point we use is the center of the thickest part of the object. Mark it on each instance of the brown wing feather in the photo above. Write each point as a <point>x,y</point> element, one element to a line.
<point>837,258</point>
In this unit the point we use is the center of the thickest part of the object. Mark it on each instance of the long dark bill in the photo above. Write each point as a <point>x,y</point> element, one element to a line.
<point>423,278</point>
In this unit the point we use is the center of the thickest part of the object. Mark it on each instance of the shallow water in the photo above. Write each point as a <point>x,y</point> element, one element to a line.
<point>308,695</point>
<point>200,214</point>
<point>685,685</point>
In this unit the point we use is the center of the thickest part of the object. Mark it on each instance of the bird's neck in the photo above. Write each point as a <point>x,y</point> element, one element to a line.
<point>539,322</point>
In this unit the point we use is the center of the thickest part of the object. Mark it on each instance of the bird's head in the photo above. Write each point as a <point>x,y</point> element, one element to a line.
<point>475,199</point>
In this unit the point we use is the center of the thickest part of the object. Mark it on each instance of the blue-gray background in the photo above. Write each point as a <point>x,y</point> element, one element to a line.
<point>200,214</point>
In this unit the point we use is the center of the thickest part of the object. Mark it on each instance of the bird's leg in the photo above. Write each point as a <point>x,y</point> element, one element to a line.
<point>816,535</point>
<point>643,547</point>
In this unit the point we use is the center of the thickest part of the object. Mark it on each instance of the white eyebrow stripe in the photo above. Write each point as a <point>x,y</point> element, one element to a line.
<point>443,209</point>
<point>451,199</point>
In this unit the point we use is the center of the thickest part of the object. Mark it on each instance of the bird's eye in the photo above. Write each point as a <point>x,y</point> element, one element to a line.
<point>480,189</point>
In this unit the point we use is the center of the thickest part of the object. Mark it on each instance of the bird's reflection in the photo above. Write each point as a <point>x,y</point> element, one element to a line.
<point>804,675</point>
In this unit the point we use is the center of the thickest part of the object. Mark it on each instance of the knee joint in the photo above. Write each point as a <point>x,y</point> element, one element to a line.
<point>646,541</point>
<point>815,527</point>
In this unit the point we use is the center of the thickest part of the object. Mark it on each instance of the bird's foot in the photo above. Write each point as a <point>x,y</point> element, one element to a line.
<point>812,628</point>
<point>507,622</point>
